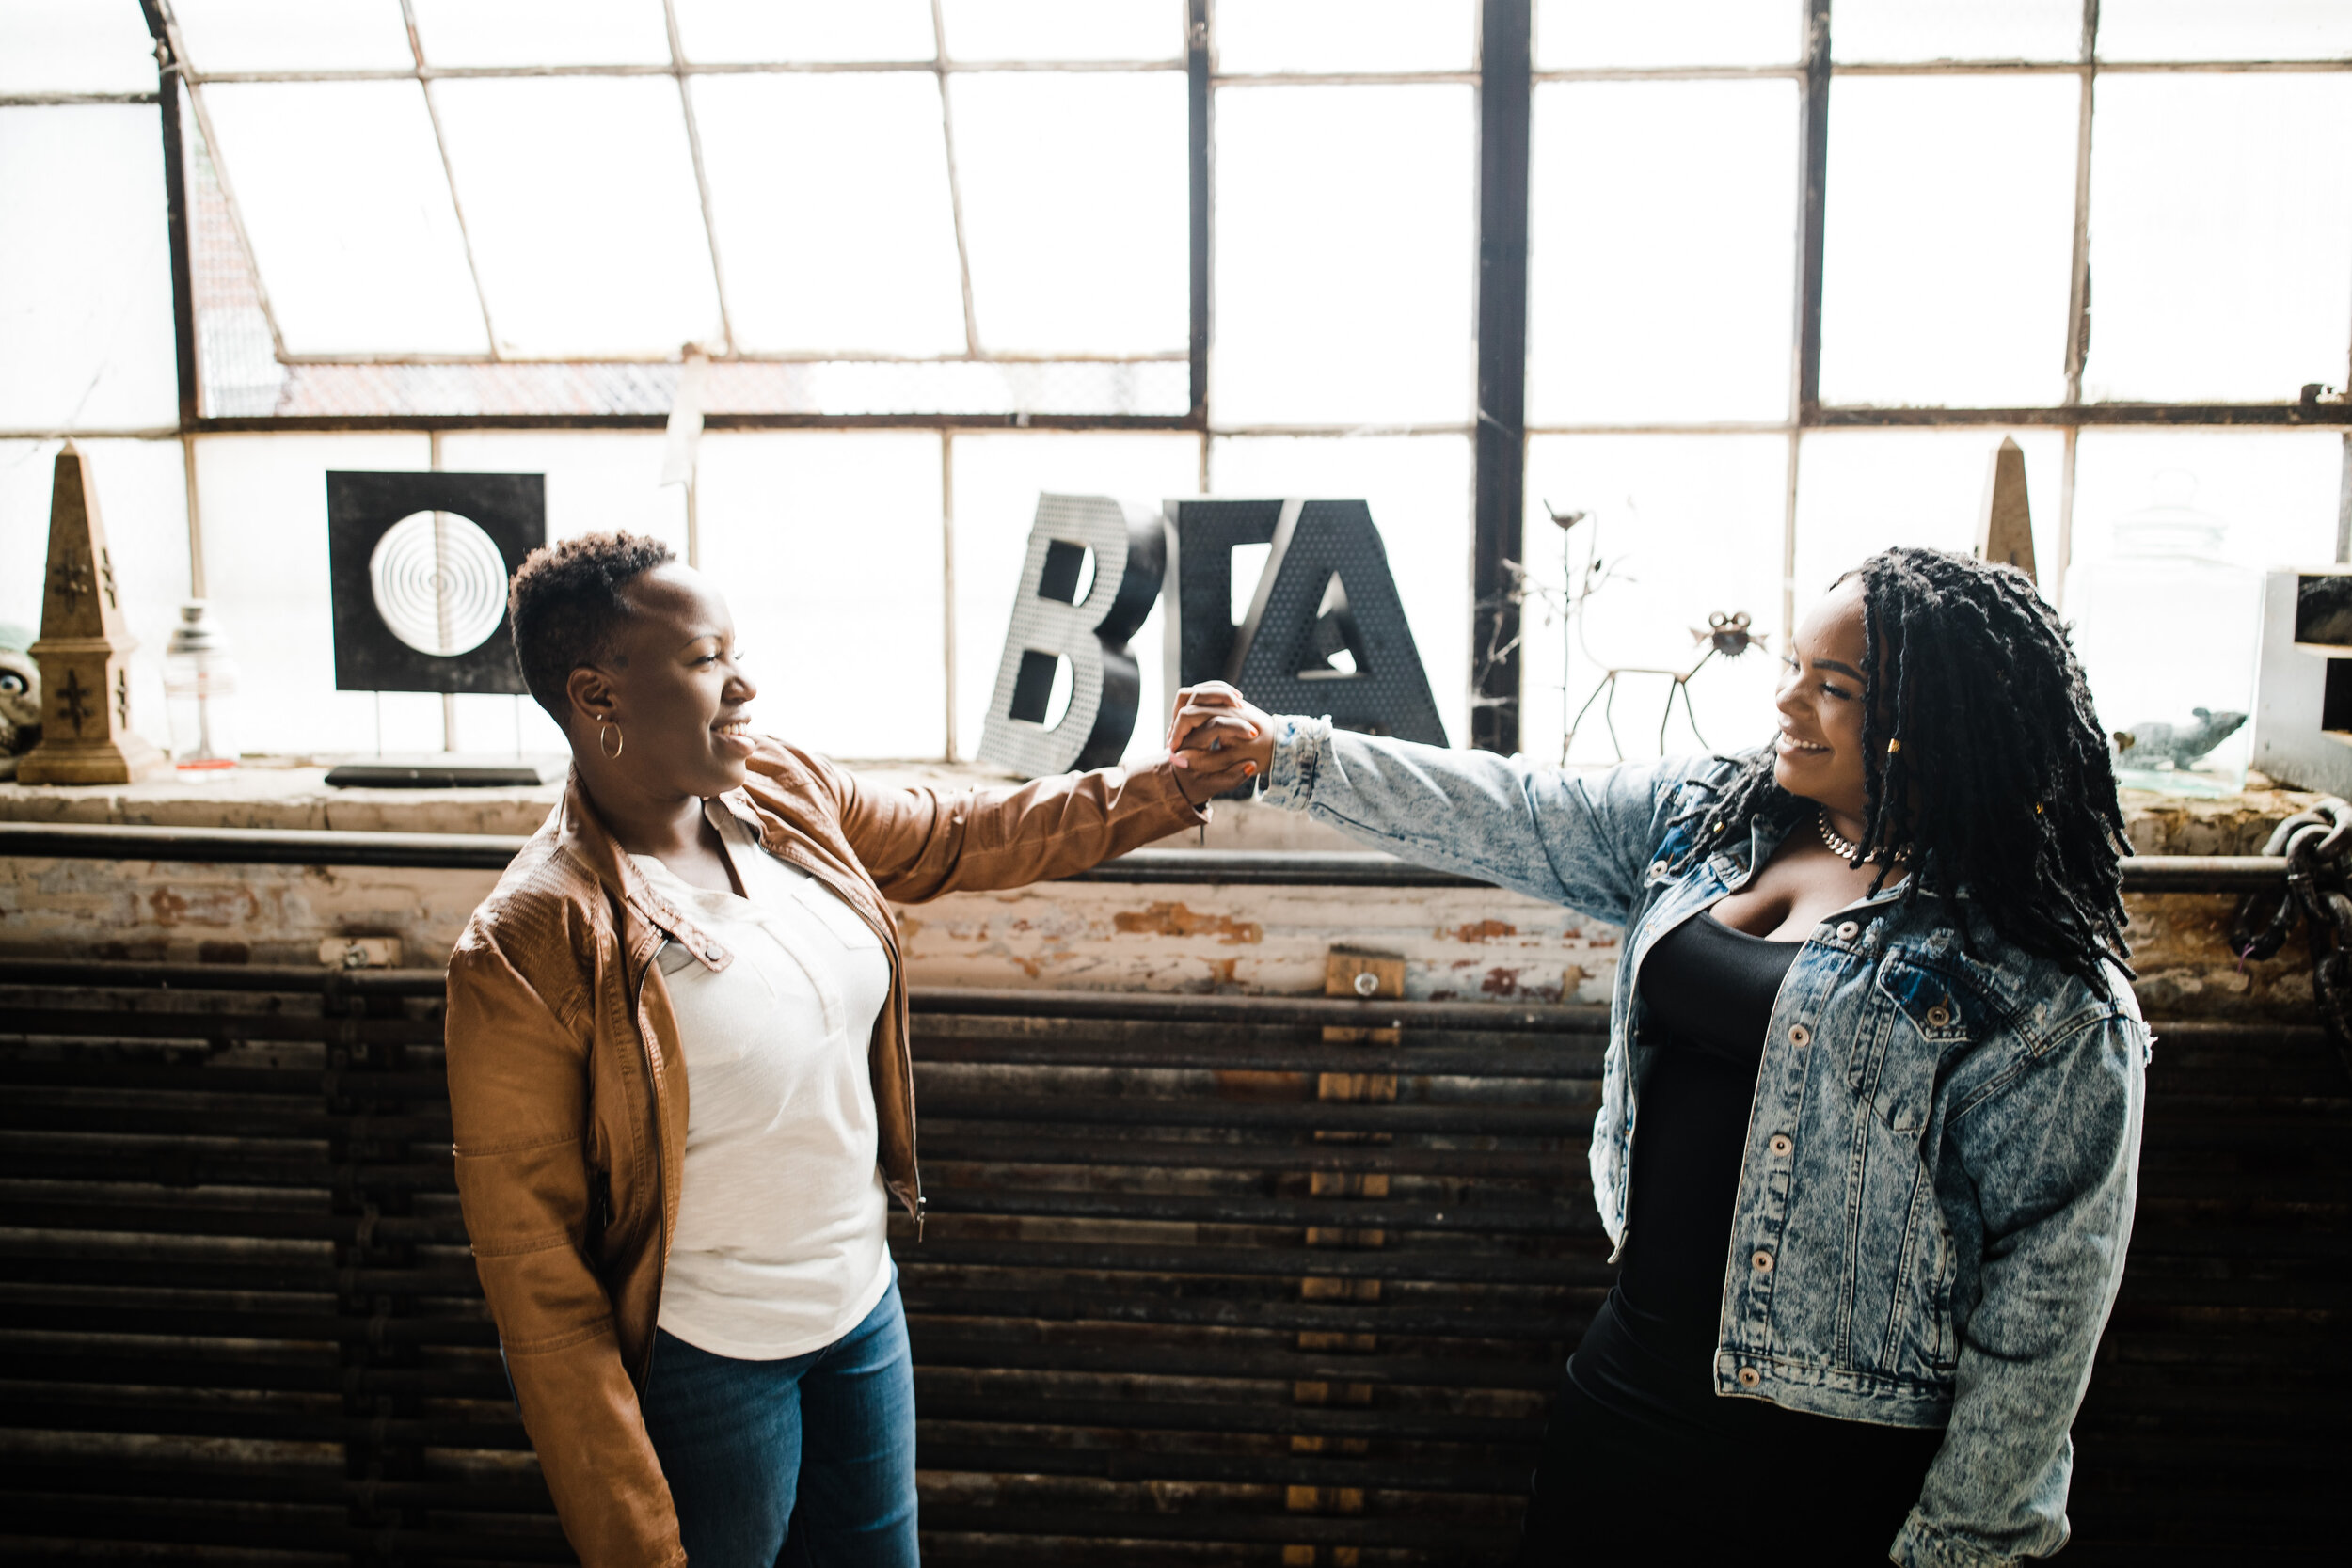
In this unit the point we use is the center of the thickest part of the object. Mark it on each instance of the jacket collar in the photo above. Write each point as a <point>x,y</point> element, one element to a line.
<point>581,833</point>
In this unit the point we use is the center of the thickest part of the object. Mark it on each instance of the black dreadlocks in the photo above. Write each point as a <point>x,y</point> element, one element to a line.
<point>1989,770</point>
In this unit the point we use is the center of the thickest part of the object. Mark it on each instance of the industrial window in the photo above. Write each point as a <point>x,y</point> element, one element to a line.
<point>1790,272</point>
<point>2119,233</point>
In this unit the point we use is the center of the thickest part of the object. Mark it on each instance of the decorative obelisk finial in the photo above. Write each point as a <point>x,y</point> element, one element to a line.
<point>2005,531</point>
<point>84,652</point>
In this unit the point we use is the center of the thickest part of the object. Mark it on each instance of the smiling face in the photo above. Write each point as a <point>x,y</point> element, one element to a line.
<point>673,686</point>
<point>1819,754</point>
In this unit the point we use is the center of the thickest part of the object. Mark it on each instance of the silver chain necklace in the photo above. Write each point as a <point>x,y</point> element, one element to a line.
<point>1840,846</point>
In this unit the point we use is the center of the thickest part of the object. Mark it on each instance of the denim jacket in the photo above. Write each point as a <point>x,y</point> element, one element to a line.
<point>1942,1159</point>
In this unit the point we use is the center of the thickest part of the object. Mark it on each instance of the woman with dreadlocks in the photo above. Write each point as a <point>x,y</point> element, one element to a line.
<point>1874,1029</point>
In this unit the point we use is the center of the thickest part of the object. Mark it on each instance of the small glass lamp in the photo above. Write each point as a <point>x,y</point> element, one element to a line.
<point>200,691</point>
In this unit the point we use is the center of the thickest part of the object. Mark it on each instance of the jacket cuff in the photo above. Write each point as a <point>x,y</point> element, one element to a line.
<point>1299,749</point>
<point>1920,1545</point>
<point>1179,806</point>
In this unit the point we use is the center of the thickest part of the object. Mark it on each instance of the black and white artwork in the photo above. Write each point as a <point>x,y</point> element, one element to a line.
<point>418,564</point>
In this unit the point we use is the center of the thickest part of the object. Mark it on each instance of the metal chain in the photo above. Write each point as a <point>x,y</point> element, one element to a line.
<point>2317,843</point>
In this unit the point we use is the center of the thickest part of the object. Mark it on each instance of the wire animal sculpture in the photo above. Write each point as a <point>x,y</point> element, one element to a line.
<point>1729,633</point>
<point>1726,633</point>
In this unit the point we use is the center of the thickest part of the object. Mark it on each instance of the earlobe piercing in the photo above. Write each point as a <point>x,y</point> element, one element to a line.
<point>612,751</point>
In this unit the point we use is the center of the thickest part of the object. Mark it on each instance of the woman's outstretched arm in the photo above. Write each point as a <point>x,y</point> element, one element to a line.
<point>1588,841</point>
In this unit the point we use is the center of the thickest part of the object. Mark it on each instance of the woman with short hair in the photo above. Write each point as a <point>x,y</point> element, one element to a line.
<point>679,1079</point>
<point>1873,1025</point>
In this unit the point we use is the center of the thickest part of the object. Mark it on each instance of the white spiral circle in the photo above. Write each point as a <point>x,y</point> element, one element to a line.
<point>439,583</point>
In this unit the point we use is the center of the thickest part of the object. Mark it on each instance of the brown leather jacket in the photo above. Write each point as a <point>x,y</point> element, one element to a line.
<point>568,1094</point>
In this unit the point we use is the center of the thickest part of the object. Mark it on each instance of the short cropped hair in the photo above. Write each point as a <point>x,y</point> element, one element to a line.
<point>565,606</point>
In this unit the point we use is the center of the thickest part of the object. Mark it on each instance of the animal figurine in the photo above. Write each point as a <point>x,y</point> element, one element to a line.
<point>1725,634</point>
<point>2156,746</point>
<point>20,698</point>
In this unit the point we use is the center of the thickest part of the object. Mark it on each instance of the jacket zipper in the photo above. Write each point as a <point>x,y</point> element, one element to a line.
<point>660,1181</point>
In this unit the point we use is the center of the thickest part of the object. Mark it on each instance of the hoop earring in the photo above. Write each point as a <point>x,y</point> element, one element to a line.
<point>620,741</point>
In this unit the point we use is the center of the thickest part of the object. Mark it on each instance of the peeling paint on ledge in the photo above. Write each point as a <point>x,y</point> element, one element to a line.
<point>1177,920</point>
<point>1457,942</point>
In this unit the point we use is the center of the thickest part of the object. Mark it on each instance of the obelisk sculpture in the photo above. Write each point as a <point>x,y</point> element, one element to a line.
<point>84,652</point>
<point>2005,528</point>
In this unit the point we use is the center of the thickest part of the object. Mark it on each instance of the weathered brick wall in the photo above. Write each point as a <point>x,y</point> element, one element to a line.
<point>1466,942</point>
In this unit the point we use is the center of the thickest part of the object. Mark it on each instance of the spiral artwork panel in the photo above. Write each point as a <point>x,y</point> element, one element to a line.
<point>419,565</point>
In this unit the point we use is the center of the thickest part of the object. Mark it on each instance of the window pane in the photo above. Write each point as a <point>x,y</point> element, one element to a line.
<point>1950,239</point>
<point>1661,243</point>
<point>264,502</point>
<point>827,548</point>
<point>597,480</point>
<point>1582,33</point>
<point>1344,250</point>
<point>142,497</point>
<point>998,478</point>
<point>855,251</point>
<point>2221,236</point>
<point>543,32</point>
<point>1860,491</point>
<point>1074,209</point>
<point>2274,492</point>
<point>85,335</point>
<point>46,47</point>
<point>294,35</point>
<point>1345,35</point>
<point>1419,489</point>
<point>2241,30</point>
<point>1676,528</point>
<point>1903,30</point>
<point>579,196</point>
<point>2268,499</point>
<point>1064,29</point>
<point>713,31</point>
<point>348,211</point>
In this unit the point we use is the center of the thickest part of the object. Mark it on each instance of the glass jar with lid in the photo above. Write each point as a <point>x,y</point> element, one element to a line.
<point>200,691</point>
<point>2169,631</point>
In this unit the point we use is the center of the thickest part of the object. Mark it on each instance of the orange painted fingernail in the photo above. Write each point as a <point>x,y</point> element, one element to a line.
<point>1249,768</point>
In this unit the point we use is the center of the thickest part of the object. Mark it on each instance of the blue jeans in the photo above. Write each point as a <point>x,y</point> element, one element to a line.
<point>731,1435</point>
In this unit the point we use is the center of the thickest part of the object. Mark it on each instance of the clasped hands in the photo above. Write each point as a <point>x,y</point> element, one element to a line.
<point>1216,740</point>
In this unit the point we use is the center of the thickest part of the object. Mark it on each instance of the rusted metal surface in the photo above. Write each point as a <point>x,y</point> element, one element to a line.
<point>1152,1319</point>
<point>229,1191</point>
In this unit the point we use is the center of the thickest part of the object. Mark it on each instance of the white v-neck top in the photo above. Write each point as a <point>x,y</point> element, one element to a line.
<point>780,1248</point>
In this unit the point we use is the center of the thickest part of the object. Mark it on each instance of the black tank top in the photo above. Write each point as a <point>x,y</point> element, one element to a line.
<point>1707,992</point>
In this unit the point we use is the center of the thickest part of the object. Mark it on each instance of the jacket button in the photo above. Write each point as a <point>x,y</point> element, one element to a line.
<point>714,950</point>
<point>1763,1262</point>
<point>1938,1016</point>
<point>1800,1035</point>
<point>1658,868</point>
<point>1781,1146</point>
<point>1750,1377</point>
<point>1848,929</point>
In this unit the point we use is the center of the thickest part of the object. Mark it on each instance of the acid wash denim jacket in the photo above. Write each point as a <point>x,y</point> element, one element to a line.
<point>1943,1155</point>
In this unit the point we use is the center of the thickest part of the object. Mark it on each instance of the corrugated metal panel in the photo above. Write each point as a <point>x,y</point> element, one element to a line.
<point>1191,1292</point>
